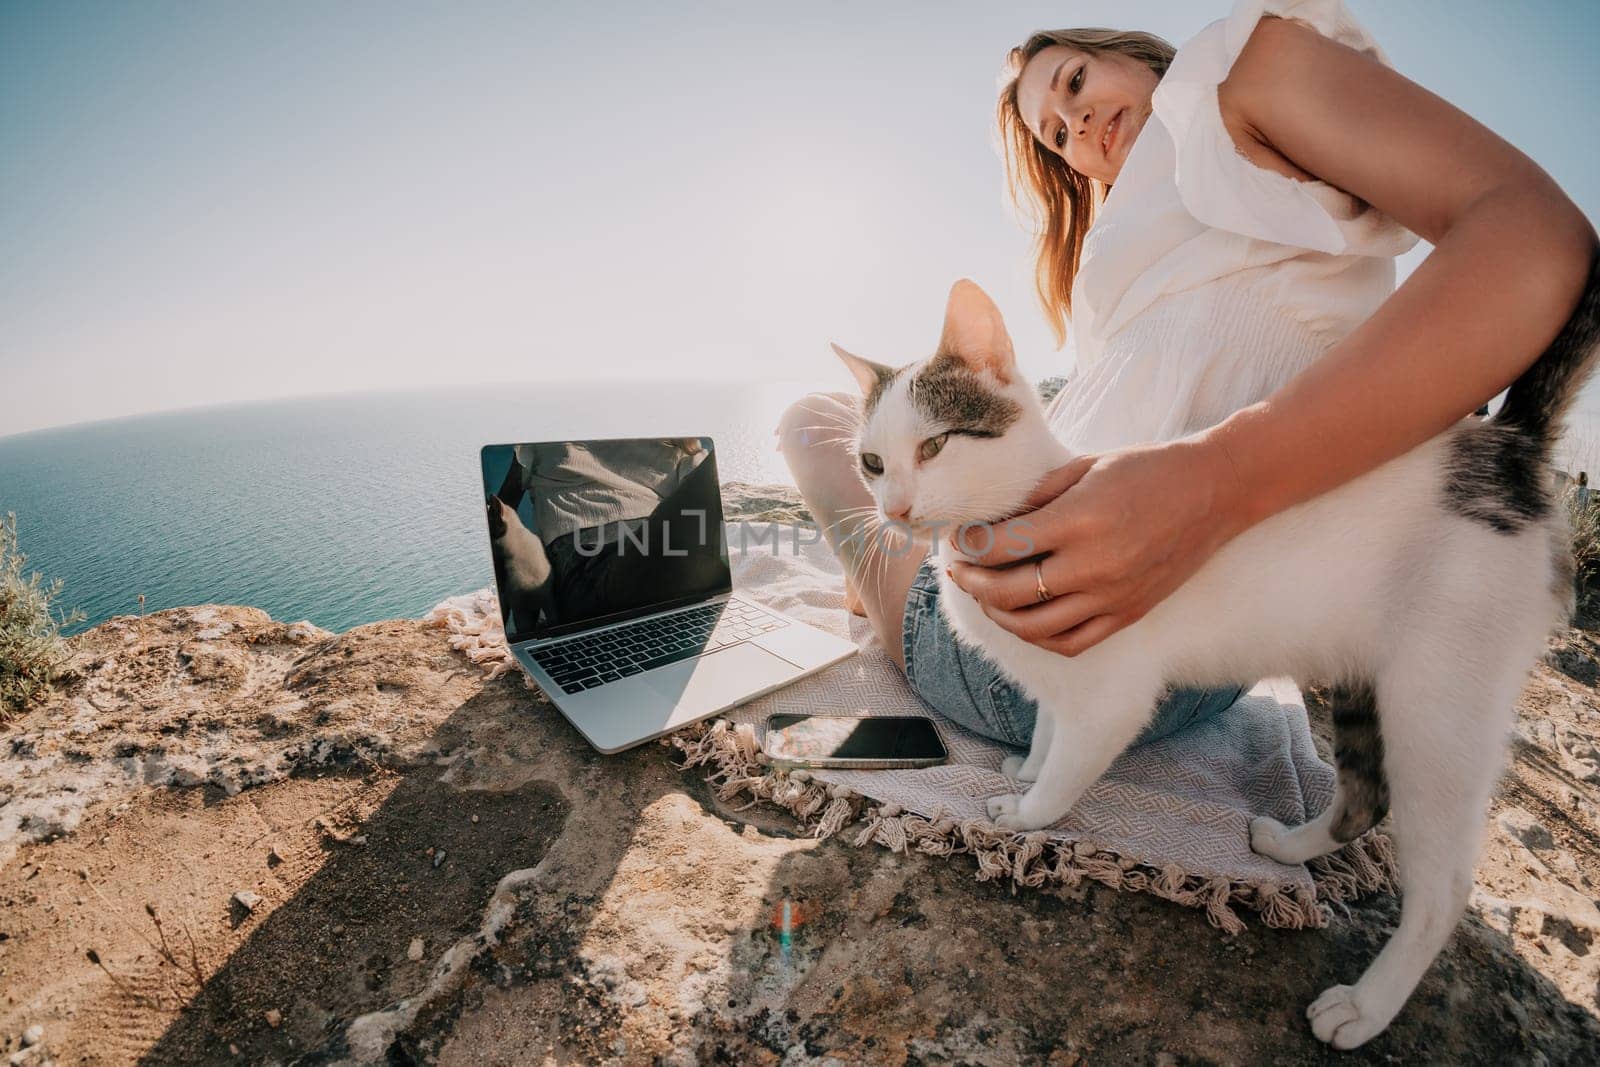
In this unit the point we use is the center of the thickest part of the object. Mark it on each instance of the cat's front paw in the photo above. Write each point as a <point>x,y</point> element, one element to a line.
<point>1015,767</point>
<point>1010,813</point>
<point>1003,807</point>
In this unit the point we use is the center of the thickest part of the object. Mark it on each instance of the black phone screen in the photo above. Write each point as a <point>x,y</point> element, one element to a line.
<point>848,737</point>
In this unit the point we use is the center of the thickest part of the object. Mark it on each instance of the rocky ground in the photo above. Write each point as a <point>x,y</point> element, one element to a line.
<point>232,840</point>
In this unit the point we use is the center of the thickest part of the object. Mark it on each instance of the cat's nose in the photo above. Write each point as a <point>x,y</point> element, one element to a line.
<point>902,515</point>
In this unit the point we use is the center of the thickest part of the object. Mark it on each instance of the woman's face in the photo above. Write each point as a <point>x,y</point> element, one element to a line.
<point>1087,109</point>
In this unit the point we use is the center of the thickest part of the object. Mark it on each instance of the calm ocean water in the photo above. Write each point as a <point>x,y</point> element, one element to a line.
<point>341,510</point>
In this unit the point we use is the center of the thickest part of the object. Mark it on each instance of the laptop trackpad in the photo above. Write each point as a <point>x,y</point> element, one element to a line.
<point>724,678</point>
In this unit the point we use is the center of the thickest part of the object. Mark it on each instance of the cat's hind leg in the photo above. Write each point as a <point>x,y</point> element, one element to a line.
<point>1091,728</point>
<point>1444,726</point>
<point>1362,795</point>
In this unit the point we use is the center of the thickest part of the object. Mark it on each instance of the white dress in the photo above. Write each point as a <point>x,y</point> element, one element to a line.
<point>1207,281</point>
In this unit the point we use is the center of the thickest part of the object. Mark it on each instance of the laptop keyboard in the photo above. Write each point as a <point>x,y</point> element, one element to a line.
<point>595,659</point>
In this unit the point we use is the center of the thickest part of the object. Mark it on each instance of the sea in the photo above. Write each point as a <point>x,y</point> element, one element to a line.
<point>342,510</point>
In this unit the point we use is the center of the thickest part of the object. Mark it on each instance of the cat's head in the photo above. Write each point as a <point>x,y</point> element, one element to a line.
<point>497,517</point>
<point>957,437</point>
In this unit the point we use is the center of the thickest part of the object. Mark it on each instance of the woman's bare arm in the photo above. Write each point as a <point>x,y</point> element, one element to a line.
<point>1511,255</point>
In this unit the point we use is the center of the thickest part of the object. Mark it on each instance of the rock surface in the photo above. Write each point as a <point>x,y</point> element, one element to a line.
<point>611,909</point>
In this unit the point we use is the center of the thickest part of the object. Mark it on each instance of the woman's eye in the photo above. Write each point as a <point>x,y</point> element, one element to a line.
<point>871,463</point>
<point>931,446</point>
<point>1077,80</point>
<point>1060,138</point>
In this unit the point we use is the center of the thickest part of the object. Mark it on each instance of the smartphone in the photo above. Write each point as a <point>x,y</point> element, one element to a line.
<point>853,743</point>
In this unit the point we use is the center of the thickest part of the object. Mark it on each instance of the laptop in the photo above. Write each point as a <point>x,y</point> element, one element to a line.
<point>611,566</point>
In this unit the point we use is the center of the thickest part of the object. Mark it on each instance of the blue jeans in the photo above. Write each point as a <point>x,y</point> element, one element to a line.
<point>963,685</point>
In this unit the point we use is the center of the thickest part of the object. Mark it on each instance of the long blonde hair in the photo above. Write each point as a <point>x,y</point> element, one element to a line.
<point>1060,201</point>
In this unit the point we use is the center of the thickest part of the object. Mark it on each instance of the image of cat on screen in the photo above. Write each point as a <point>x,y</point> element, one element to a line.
<point>585,529</point>
<point>521,570</point>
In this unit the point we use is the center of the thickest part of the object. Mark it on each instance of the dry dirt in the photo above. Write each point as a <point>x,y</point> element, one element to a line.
<point>447,874</point>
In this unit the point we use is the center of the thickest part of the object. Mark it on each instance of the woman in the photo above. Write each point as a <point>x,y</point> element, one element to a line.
<point>1219,225</point>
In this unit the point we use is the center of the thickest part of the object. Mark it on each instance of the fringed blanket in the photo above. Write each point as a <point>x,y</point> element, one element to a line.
<point>1169,818</point>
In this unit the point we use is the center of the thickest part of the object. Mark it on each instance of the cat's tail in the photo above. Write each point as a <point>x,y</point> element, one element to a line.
<point>1536,405</point>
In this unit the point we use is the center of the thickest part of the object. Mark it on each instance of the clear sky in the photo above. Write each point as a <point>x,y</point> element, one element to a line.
<point>207,203</point>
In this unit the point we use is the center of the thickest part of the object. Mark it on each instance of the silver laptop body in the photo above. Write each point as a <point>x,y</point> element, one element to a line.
<point>611,567</point>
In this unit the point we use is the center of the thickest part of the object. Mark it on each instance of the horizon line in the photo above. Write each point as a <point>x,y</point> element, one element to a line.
<point>217,405</point>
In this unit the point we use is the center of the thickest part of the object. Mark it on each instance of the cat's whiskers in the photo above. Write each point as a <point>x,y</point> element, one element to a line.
<point>839,440</point>
<point>876,561</point>
<point>872,563</point>
<point>849,515</point>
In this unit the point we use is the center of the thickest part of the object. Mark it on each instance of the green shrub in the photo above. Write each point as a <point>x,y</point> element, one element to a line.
<point>32,652</point>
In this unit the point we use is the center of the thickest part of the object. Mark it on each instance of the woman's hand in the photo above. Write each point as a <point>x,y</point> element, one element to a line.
<point>1117,533</point>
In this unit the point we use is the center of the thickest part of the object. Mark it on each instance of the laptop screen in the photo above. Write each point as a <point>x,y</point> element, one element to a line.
<point>590,532</point>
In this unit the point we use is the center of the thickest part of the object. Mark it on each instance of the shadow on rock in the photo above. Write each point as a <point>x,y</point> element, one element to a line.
<point>402,895</point>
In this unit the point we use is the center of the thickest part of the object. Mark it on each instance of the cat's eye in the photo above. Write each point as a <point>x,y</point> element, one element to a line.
<point>871,463</point>
<point>931,446</point>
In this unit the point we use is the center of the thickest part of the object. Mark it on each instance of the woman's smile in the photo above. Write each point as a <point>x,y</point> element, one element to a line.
<point>1109,137</point>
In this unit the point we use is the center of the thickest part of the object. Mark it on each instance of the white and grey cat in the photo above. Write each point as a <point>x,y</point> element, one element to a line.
<point>1423,590</point>
<point>523,569</point>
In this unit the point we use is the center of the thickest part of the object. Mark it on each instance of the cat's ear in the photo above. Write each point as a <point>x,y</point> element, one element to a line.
<point>869,375</point>
<point>975,333</point>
